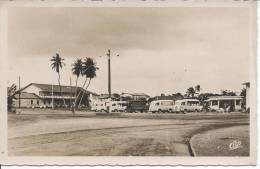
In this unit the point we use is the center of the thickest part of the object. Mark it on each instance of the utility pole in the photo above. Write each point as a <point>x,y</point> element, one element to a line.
<point>70,94</point>
<point>109,82</point>
<point>19,93</point>
<point>109,74</point>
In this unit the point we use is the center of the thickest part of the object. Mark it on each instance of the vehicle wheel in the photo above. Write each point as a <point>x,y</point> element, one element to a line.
<point>160,111</point>
<point>170,111</point>
<point>196,110</point>
<point>115,110</point>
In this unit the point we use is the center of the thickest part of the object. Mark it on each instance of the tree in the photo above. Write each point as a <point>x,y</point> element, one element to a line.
<point>243,93</point>
<point>11,91</point>
<point>204,96</point>
<point>178,96</point>
<point>89,68</point>
<point>77,71</point>
<point>190,92</point>
<point>228,93</point>
<point>57,64</point>
<point>197,88</point>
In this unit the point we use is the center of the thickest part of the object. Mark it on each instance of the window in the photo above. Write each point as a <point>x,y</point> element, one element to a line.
<point>31,102</point>
<point>214,102</point>
<point>38,102</point>
<point>157,104</point>
<point>238,102</point>
<point>167,103</point>
<point>183,103</point>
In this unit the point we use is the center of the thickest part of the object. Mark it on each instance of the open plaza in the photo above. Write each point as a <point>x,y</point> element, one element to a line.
<point>59,133</point>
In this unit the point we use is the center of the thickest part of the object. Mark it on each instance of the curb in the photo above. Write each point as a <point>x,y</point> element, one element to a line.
<point>191,146</point>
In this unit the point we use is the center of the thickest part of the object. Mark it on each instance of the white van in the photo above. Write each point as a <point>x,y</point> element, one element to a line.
<point>161,106</point>
<point>118,106</point>
<point>187,105</point>
<point>99,106</point>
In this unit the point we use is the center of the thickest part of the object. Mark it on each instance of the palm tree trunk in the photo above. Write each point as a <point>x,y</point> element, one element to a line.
<point>80,92</point>
<point>74,102</point>
<point>60,88</point>
<point>84,91</point>
<point>59,82</point>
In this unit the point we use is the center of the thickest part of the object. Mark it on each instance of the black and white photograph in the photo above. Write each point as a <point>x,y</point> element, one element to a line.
<point>139,82</point>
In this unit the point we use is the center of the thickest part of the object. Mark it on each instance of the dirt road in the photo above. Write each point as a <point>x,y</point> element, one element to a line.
<point>111,136</point>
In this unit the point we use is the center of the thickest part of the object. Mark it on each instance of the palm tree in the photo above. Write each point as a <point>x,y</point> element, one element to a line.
<point>57,64</point>
<point>89,71</point>
<point>76,70</point>
<point>190,91</point>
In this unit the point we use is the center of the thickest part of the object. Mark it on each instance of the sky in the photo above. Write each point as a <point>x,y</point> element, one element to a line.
<point>161,50</point>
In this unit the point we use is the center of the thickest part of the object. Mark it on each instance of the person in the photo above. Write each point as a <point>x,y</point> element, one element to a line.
<point>228,108</point>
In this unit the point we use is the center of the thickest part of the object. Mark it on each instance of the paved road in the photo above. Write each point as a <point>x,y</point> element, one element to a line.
<point>112,136</point>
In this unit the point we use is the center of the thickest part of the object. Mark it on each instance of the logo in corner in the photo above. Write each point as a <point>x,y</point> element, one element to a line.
<point>235,145</point>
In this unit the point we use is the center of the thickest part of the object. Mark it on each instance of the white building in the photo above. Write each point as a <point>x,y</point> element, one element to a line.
<point>225,103</point>
<point>47,95</point>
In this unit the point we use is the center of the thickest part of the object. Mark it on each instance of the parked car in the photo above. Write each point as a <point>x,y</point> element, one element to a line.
<point>161,106</point>
<point>187,105</point>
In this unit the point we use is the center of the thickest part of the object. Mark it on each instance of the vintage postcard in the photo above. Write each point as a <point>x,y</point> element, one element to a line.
<point>128,82</point>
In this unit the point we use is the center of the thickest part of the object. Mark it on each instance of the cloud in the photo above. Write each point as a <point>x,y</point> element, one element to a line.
<point>156,45</point>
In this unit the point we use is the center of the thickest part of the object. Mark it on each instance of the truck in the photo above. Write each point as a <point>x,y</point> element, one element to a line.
<point>137,106</point>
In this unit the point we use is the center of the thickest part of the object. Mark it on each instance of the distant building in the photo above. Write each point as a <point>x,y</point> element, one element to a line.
<point>47,95</point>
<point>247,85</point>
<point>105,97</point>
<point>135,96</point>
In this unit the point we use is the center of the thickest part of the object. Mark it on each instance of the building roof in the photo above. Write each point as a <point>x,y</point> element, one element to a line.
<point>225,98</point>
<point>56,88</point>
<point>187,99</point>
<point>25,95</point>
<point>246,84</point>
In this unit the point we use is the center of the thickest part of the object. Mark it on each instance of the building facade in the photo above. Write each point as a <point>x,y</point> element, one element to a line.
<point>225,103</point>
<point>247,85</point>
<point>37,95</point>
